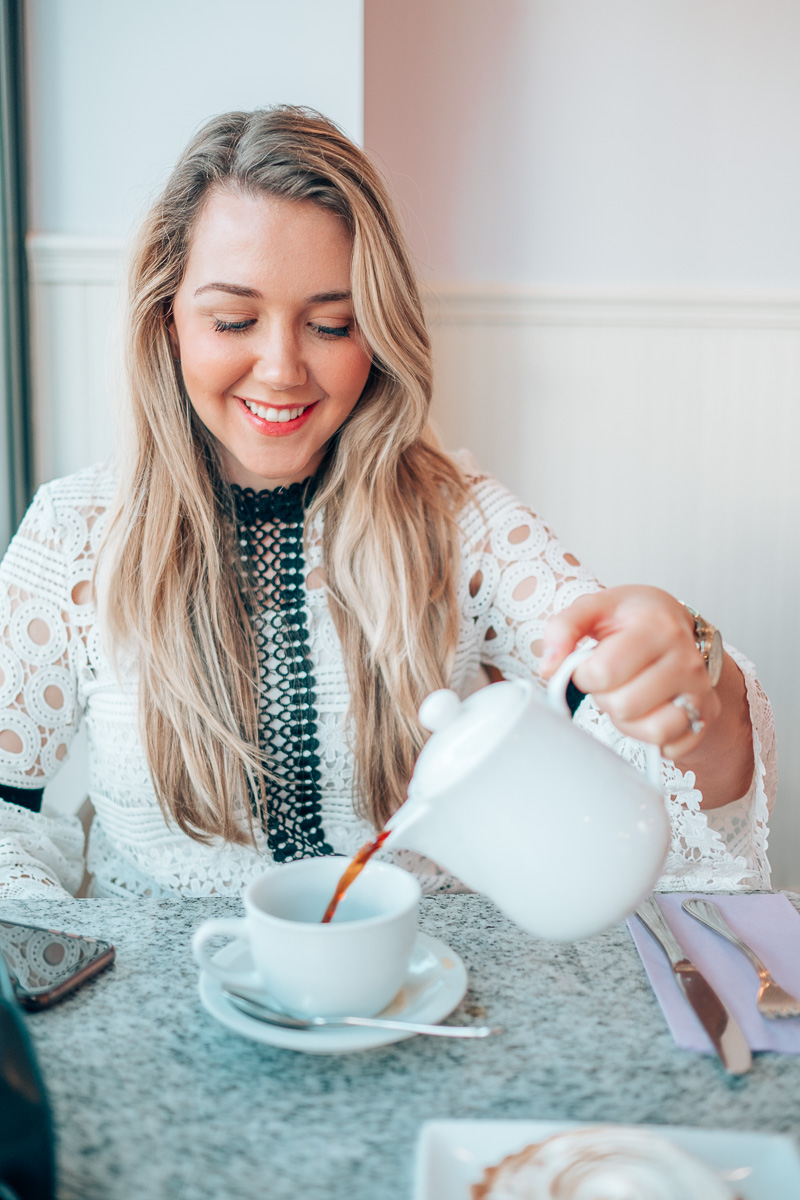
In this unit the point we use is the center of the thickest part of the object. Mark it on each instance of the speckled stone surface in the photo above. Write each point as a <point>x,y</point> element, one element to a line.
<point>153,1098</point>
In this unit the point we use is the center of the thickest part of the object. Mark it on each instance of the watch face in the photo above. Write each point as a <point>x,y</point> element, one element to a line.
<point>714,659</point>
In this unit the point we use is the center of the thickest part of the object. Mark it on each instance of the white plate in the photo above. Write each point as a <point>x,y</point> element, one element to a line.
<point>452,1155</point>
<point>435,985</point>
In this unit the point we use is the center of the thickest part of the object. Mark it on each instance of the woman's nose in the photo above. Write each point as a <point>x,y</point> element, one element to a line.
<point>279,362</point>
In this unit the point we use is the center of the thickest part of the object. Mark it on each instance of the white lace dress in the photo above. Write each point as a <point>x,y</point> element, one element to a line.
<point>54,675</point>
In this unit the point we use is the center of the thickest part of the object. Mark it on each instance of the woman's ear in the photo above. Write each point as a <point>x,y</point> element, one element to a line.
<point>173,338</point>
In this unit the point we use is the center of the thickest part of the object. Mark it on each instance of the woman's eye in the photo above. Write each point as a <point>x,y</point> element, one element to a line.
<point>232,326</point>
<point>332,331</point>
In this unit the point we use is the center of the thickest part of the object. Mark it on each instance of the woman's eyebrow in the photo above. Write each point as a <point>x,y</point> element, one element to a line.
<point>237,289</point>
<point>328,297</point>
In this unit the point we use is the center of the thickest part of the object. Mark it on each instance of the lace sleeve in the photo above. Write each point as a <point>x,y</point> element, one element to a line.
<point>515,574</point>
<point>743,825</point>
<point>44,596</point>
<point>40,855</point>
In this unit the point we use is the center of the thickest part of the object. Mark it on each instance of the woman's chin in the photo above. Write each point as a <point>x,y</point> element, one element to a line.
<point>278,471</point>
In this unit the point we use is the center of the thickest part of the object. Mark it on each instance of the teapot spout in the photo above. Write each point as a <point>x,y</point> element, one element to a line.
<point>421,824</point>
<point>403,826</point>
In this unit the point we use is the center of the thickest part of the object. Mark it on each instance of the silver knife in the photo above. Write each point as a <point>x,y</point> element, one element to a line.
<point>728,1039</point>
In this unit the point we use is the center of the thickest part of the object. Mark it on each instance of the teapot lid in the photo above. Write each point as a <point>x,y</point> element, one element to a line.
<point>464,733</point>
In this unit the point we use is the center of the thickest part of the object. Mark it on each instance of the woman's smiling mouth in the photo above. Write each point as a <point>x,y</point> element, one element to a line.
<point>275,414</point>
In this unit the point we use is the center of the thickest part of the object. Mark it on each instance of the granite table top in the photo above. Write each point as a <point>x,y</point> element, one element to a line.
<point>154,1098</point>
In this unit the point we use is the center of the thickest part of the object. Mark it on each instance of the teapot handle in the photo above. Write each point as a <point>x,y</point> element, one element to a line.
<point>557,699</point>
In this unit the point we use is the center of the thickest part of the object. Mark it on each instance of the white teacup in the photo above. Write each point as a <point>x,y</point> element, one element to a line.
<point>355,965</point>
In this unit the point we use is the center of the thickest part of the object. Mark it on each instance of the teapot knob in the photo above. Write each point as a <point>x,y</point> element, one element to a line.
<point>439,709</point>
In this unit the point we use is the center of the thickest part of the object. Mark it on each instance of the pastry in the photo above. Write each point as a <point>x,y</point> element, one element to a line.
<point>602,1162</point>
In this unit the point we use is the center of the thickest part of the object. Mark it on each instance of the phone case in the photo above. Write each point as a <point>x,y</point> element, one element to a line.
<point>46,964</point>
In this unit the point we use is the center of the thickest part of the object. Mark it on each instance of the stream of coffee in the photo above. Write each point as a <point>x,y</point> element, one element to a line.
<point>353,870</point>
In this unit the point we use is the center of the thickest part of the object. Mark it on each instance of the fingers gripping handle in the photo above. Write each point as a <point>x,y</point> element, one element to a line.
<point>557,699</point>
<point>557,687</point>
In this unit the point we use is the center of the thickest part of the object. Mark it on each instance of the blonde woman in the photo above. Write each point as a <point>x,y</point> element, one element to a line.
<point>248,609</point>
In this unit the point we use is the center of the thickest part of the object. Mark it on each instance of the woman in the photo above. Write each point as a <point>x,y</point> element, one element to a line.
<point>250,610</point>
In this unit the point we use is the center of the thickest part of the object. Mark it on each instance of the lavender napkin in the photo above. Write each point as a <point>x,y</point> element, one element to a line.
<point>769,924</point>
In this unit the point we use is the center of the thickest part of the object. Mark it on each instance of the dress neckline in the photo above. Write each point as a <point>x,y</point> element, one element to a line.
<point>281,503</point>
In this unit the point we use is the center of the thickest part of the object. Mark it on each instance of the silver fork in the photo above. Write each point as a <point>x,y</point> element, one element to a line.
<point>772,1000</point>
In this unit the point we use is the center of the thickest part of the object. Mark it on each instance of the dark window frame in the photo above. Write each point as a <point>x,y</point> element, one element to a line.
<point>16,474</point>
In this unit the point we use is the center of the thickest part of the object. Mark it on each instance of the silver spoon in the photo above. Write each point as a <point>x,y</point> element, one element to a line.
<point>271,1016</point>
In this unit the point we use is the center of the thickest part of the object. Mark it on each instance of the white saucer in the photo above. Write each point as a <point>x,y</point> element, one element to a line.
<point>435,985</point>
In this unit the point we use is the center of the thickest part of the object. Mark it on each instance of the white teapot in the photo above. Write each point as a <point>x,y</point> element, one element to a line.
<point>521,805</point>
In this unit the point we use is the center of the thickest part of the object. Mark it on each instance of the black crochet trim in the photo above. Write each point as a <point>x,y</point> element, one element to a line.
<point>26,797</point>
<point>279,504</point>
<point>270,530</point>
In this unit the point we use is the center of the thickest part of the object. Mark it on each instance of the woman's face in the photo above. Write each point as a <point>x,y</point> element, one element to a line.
<point>263,326</point>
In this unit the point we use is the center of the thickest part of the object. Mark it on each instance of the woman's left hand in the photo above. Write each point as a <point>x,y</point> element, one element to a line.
<point>645,661</point>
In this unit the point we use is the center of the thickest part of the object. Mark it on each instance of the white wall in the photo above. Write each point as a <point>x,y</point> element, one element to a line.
<point>118,86</point>
<point>592,142</point>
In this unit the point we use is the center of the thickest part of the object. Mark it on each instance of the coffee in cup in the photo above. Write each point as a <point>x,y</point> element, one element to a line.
<point>352,966</point>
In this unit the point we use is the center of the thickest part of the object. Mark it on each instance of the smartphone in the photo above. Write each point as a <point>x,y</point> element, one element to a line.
<point>45,965</point>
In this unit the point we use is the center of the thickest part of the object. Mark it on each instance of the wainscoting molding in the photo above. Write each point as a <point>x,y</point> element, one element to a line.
<point>75,285</point>
<point>508,305</point>
<point>657,432</point>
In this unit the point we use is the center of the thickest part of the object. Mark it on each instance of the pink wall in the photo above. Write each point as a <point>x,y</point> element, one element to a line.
<point>591,142</point>
<point>431,70</point>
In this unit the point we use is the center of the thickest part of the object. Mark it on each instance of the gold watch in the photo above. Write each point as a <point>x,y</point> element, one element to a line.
<point>709,642</point>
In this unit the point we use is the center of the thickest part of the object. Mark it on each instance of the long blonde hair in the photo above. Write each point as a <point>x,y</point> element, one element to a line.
<point>173,591</point>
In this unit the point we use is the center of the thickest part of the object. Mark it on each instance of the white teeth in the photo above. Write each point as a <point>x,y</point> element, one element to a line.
<point>275,414</point>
